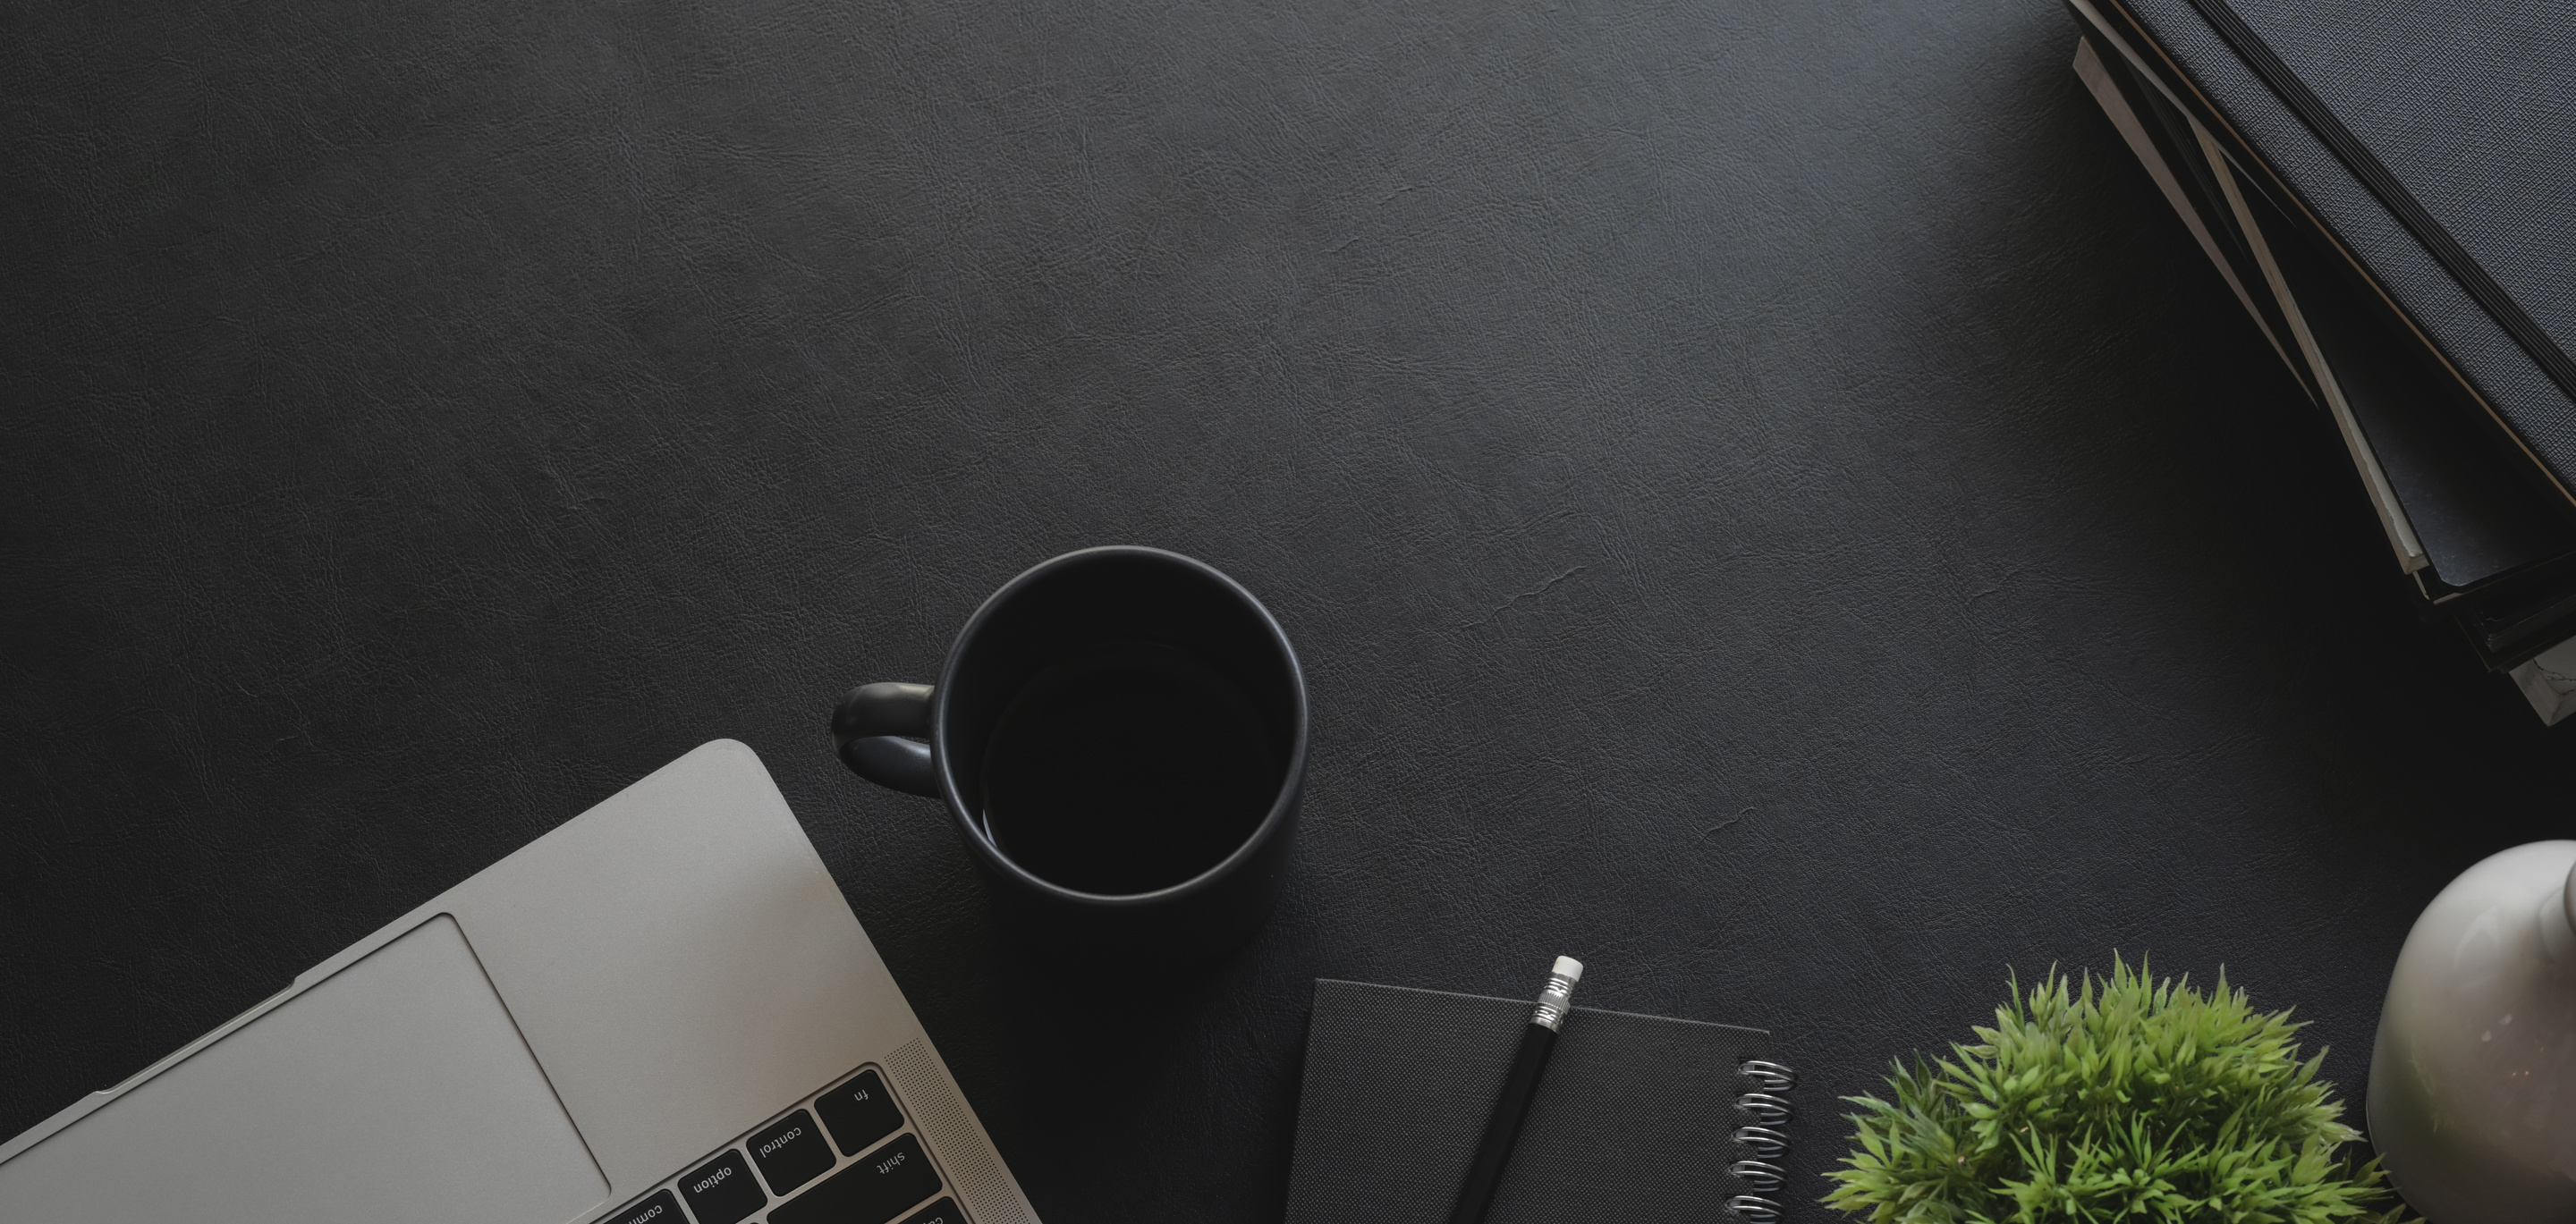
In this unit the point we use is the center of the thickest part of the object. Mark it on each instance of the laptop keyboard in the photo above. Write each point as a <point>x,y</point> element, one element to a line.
<point>846,1157</point>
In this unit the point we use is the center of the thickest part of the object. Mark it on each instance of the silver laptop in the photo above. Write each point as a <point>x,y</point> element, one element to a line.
<point>662,1012</point>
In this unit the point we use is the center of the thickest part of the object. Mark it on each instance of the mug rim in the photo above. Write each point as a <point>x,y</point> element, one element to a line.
<point>1292,779</point>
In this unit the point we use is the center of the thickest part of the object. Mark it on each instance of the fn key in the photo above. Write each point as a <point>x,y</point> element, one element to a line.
<point>872,1191</point>
<point>859,1112</point>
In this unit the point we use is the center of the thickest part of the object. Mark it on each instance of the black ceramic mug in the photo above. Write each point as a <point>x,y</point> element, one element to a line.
<point>1120,736</point>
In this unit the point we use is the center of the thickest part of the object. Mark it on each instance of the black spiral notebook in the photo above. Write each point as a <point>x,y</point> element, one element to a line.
<point>1639,1119</point>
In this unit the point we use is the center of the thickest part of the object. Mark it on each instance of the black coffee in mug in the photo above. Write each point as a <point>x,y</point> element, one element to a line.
<point>1131,769</point>
<point>1119,735</point>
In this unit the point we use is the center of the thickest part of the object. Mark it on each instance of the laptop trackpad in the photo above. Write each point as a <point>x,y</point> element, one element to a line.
<point>395,1090</point>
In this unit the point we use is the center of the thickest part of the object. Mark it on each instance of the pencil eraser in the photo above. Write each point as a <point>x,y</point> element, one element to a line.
<point>1568,968</point>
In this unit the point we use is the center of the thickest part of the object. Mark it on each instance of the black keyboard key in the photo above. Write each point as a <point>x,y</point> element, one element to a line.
<point>721,1190</point>
<point>860,1112</point>
<point>659,1209</point>
<point>942,1212</point>
<point>873,1191</point>
<point>791,1153</point>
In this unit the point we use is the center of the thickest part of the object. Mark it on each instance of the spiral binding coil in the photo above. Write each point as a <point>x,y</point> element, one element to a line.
<point>1765,1109</point>
<point>1754,1208</point>
<point>1762,1141</point>
<point>1762,1175</point>
<point>1771,1076</point>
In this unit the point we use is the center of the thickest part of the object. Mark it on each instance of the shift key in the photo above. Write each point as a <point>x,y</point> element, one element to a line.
<point>872,1191</point>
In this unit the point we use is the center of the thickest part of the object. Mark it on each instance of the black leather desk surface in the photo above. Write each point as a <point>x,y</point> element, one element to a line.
<point>1770,500</point>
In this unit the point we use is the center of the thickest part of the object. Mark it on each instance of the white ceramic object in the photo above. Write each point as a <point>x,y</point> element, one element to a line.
<point>2472,1098</point>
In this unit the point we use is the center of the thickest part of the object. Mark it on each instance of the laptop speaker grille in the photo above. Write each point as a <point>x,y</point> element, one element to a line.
<point>973,1169</point>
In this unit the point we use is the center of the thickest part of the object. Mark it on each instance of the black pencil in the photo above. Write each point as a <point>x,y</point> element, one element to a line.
<point>1494,1151</point>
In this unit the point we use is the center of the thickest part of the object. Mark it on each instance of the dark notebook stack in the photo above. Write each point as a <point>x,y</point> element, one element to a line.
<point>2389,190</point>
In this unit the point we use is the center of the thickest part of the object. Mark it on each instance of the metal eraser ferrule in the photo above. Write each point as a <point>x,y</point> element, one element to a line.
<point>1558,998</point>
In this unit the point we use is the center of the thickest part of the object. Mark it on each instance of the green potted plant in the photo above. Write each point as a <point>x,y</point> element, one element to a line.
<point>2116,1098</point>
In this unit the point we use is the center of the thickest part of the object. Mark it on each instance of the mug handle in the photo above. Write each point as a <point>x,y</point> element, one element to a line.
<point>878,730</point>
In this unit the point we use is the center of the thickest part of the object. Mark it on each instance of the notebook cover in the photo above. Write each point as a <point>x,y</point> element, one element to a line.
<point>2481,515</point>
<point>2478,516</point>
<point>2461,117</point>
<point>2520,251</point>
<point>1633,1122</point>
